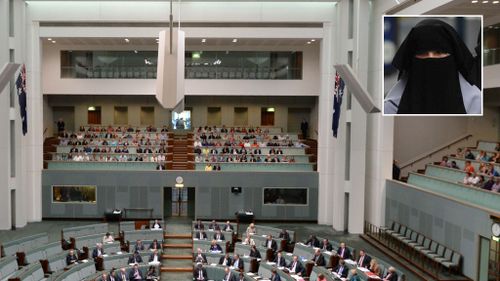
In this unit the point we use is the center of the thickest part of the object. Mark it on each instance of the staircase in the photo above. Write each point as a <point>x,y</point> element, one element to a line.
<point>49,145</point>
<point>180,151</point>
<point>177,254</point>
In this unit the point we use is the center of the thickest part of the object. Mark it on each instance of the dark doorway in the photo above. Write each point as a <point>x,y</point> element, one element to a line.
<point>94,115</point>
<point>267,116</point>
<point>179,202</point>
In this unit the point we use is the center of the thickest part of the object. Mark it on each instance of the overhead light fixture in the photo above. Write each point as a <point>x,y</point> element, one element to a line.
<point>91,108</point>
<point>474,1</point>
<point>135,51</point>
<point>308,42</point>
<point>195,55</point>
<point>50,39</point>
<point>270,109</point>
<point>485,1</point>
<point>126,40</point>
<point>312,40</point>
<point>496,2</point>
<point>235,40</point>
<point>53,41</point>
<point>203,40</point>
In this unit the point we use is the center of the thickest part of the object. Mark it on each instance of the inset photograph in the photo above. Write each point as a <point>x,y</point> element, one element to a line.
<point>433,65</point>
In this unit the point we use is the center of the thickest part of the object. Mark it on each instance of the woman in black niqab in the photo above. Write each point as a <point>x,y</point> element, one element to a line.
<point>433,85</point>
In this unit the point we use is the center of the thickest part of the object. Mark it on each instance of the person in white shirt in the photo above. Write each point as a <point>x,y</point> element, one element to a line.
<point>108,238</point>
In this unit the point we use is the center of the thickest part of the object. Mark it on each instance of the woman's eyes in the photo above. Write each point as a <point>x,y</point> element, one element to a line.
<point>432,55</point>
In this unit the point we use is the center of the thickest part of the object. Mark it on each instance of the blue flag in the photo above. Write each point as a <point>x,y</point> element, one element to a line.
<point>21,94</point>
<point>338,93</point>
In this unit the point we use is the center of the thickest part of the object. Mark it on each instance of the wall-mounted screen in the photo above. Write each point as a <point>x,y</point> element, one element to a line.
<point>286,196</point>
<point>85,194</point>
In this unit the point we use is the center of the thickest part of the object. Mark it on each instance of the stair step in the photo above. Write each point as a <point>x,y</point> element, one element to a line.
<point>184,246</point>
<point>176,257</point>
<point>177,236</point>
<point>176,269</point>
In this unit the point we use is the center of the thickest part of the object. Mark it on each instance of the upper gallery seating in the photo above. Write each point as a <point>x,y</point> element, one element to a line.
<point>113,148</point>
<point>249,149</point>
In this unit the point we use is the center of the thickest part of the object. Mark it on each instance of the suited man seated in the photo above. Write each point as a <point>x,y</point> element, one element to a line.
<point>296,267</point>
<point>201,235</point>
<point>214,247</point>
<point>391,275</point>
<point>71,258</point>
<point>214,225</point>
<point>270,243</point>
<point>241,277</point>
<point>318,258</point>
<point>343,252</point>
<point>135,274</point>
<point>364,259</point>
<point>326,246</point>
<point>280,260</point>
<point>228,275</point>
<point>112,275</point>
<point>138,246</point>
<point>219,236</point>
<point>155,257</point>
<point>312,241</point>
<point>228,227</point>
<point>237,262</point>
<point>104,277</point>
<point>135,258</point>
<point>200,274</point>
<point>199,225</point>
<point>200,257</point>
<point>122,275</point>
<point>341,269</point>
<point>274,275</point>
<point>98,251</point>
<point>225,260</point>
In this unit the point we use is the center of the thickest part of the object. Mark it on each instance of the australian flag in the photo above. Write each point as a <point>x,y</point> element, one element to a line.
<point>21,94</point>
<point>338,92</point>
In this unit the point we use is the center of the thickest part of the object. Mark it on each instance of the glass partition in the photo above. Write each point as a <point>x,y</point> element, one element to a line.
<point>74,194</point>
<point>109,64</point>
<point>243,65</point>
<point>492,44</point>
<point>286,196</point>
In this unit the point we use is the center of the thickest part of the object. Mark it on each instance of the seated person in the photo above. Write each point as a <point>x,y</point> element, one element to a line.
<point>104,277</point>
<point>274,275</point>
<point>364,259</point>
<point>241,277</point>
<point>213,225</point>
<point>284,235</point>
<point>98,251</point>
<point>199,225</point>
<point>71,258</point>
<point>108,238</point>
<point>112,275</point>
<point>237,262</point>
<point>342,270</point>
<point>270,243</point>
<point>135,258</point>
<point>254,252</point>
<point>200,274</point>
<point>201,235</point>
<point>199,257</point>
<point>228,227</point>
<point>296,267</point>
<point>155,245</point>
<point>468,155</point>
<point>214,247</point>
<point>391,275</point>
<point>312,241</point>
<point>343,251</point>
<point>122,275</point>
<point>280,260</point>
<point>374,267</point>
<point>354,275</point>
<point>156,225</point>
<point>225,260</point>
<point>138,246</point>
<point>321,277</point>
<point>318,258</point>
<point>135,273</point>
<point>248,240</point>
<point>228,276</point>
<point>326,246</point>
<point>251,229</point>
<point>155,257</point>
<point>152,275</point>
<point>219,235</point>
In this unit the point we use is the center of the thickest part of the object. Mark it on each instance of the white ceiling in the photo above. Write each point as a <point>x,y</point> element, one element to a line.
<point>466,7</point>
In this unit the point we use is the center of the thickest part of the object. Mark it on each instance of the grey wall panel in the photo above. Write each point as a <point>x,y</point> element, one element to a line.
<point>143,189</point>
<point>450,218</point>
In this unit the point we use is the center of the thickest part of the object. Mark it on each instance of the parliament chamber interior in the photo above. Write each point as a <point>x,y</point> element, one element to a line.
<point>240,140</point>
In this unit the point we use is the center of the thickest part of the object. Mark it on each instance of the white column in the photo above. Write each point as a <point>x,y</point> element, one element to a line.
<point>33,141</point>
